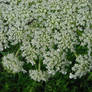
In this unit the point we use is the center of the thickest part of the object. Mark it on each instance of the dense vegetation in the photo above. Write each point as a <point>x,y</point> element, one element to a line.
<point>45,46</point>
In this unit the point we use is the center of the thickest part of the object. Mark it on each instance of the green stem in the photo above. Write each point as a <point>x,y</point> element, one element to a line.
<point>17,52</point>
<point>39,66</point>
<point>75,54</point>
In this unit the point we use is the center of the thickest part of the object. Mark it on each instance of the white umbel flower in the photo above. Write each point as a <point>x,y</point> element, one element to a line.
<point>38,75</point>
<point>12,64</point>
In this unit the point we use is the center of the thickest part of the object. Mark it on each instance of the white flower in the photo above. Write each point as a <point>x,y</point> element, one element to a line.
<point>38,75</point>
<point>12,64</point>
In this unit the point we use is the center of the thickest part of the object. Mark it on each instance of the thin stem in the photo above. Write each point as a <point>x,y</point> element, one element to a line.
<point>75,54</point>
<point>17,52</point>
<point>39,66</point>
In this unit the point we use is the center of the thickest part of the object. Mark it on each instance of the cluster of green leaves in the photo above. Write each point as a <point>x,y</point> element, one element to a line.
<point>59,83</point>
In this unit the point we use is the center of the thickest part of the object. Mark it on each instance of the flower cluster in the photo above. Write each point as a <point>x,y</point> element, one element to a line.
<point>82,66</point>
<point>12,64</point>
<point>39,75</point>
<point>47,30</point>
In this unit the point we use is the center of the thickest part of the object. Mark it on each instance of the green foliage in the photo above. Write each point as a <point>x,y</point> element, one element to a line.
<point>59,83</point>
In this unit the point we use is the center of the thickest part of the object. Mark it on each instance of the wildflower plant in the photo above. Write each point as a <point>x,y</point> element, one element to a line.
<point>53,35</point>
